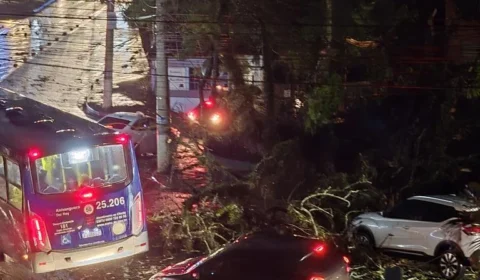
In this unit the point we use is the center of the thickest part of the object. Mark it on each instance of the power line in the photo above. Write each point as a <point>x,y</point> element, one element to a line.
<point>293,24</point>
<point>305,83</point>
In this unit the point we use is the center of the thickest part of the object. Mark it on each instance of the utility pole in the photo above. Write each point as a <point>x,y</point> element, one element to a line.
<point>162,92</point>
<point>108,73</point>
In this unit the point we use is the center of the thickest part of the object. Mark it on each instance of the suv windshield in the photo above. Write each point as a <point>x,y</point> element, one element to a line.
<point>100,166</point>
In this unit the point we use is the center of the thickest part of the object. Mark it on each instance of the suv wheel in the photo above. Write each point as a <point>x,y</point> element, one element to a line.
<point>363,239</point>
<point>450,264</point>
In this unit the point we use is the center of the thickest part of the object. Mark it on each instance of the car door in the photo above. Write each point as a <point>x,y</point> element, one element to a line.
<point>425,229</point>
<point>400,219</point>
<point>150,140</point>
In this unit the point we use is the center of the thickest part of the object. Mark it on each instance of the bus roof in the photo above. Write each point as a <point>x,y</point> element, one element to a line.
<point>25,123</point>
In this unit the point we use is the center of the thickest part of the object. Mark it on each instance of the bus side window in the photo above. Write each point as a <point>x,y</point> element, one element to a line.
<point>15,192</point>
<point>3,181</point>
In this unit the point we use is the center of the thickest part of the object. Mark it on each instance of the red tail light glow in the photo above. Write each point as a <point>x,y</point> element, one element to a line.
<point>471,230</point>
<point>121,139</point>
<point>317,278</point>
<point>209,103</point>
<point>320,249</point>
<point>38,232</point>
<point>138,217</point>
<point>86,194</point>
<point>34,153</point>
<point>346,260</point>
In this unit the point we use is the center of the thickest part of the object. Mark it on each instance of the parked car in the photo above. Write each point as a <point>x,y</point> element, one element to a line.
<point>211,115</point>
<point>265,256</point>
<point>141,128</point>
<point>440,226</point>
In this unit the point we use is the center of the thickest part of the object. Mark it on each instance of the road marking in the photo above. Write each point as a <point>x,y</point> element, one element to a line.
<point>99,11</point>
<point>11,91</point>
<point>7,90</point>
<point>63,39</point>
<point>44,6</point>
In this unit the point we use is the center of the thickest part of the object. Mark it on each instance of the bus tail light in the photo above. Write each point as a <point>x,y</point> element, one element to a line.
<point>39,233</point>
<point>138,217</point>
<point>86,194</point>
<point>34,153</point>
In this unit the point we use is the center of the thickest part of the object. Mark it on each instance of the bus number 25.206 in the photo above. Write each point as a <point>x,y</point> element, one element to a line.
<point>112,202</point>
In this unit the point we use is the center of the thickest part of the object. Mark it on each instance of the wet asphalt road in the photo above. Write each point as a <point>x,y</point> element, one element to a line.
<point>57,57</point>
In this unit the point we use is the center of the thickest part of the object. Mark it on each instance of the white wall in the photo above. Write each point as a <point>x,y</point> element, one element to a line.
<point>183,104</point>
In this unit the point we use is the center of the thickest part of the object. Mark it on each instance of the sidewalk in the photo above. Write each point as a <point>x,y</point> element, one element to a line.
<point>71,66</point>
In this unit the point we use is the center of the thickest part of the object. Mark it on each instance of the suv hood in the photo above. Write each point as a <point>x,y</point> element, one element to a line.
<point>370,215</point>
<point>179,268</point>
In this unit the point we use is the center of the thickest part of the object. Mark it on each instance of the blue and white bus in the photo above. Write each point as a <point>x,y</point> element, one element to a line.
<point>70,192</point>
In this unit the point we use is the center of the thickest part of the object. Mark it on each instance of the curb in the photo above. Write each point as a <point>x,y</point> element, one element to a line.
<point>44,6</point>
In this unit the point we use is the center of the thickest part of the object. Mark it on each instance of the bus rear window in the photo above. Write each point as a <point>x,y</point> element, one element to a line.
<point>98,167</point>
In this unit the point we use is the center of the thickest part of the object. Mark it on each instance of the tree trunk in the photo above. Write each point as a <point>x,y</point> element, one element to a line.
<point>268,88</point>
<point>146,36</point>
<point>215,73</point>
<point>201,86</point>
<point>162,92</point>
<point>234,69</point>
<point>108,73</point>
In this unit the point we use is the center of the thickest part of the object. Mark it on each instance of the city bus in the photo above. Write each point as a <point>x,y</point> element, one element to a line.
<point>70,191</point>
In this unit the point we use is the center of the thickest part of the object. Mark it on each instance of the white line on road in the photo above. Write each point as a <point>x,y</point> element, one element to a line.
<point>7,90</point>
<point>63,39</point>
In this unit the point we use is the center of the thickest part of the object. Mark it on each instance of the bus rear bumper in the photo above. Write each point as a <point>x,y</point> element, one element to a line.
<point>43,262</point>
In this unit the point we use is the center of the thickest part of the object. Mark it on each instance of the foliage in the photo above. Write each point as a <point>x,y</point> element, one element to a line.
<point>324,102</point>
<point>473,90</point>
<point>395,139</point>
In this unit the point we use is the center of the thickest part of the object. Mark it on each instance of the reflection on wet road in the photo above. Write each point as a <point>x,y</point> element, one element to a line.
<point>60,60</point>
<point>21,40</point>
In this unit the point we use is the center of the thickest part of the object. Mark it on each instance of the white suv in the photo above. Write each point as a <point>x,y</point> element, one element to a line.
<point>441,226</point>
